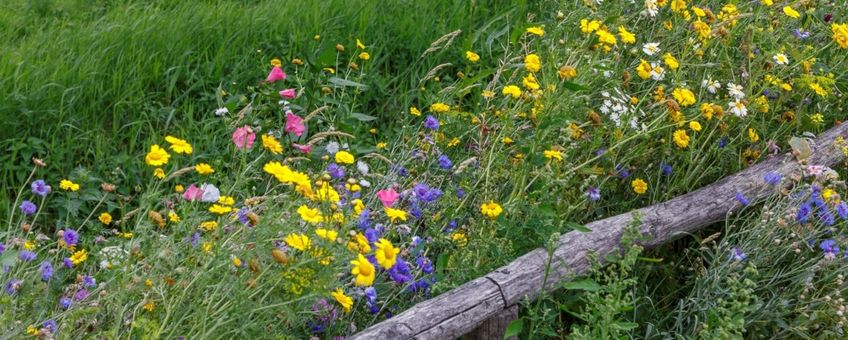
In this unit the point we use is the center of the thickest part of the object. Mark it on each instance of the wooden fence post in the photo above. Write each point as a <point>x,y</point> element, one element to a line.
<point>495,327</point>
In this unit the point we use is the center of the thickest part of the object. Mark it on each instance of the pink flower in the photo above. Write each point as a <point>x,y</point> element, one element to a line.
<point>287,93</point>
<point>387,196</point>
<point>244,137</point>
<point>302,148</point>
<point>276,74</point>
<point>193,193</point>
<point>294,124</point>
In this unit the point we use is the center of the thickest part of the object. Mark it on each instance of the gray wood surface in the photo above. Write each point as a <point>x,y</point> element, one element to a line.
<point>466,307</point>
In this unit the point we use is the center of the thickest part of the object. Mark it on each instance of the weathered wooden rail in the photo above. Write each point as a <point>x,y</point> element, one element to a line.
<point>484,307</point>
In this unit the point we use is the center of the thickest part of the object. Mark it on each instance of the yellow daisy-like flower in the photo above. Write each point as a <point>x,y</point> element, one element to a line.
<point>472,57</point>
<point>644,69</point>
<point>67,185</point>
<point>364,56</point>
<point>536,30</point>
<point>156,156</point>
<point>670,61</point>
<point>684,97</point>
<point>363,270</point>
<point>512,91</point>
<point>327,234</point>
<point>220,209</point>
<point>386,253</point>
<point>681,139</point>
<point>753,136</point>
<point>310,215</point>
<point>105,218</point>
<point>298,241</point>
<point>272,144</point>
<point>840,34</point>
<point>491,210</point>
<point>344,157</point>
<point>639,186</point>
<point>173,217</point>
<point>79,257</point>
<point>439,108</point>
<point>359,244</point>
<point>553,154</point>
<point>532,63</point>
<point>204,169</point>
<point>179,145</point>
<point>159,173</point>
<point>414,111</point>
<point>395,214</point>
<point>567,72</point>
<point>209,225</point>
<point>626,36</point>
<point>791,12</point>
<point>695,126</point>
<point>345,301</point>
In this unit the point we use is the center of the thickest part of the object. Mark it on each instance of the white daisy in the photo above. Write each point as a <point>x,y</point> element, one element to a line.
<point>711,85</point>
<point>222,111</point>
<point>781,59</point>
<point>736,91</point>
<point>651,48</point>
<point>651,7</point>
<point>657,72</point>
<point>738,109</point>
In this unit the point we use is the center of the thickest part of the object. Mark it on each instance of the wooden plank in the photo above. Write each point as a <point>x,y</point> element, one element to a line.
<point>463,309</point>
<point>495,327</point>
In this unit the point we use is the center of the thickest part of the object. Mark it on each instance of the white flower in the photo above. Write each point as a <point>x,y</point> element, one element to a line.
<point>651,7</point>
<point>781,59</point>
<point>364,183</point>
<point>738,109</point>
<point>362,167</point>
<point>651,48</point>
<point>332,148</point>
<point>223,111</point>
<point>657,72</point>
<point>736,91</point>
<point>210,193</point>
<point>711,85</point>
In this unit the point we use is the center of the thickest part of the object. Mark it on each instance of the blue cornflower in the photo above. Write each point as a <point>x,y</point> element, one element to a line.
<point>71,237</point>
<point>13,286</point>
<point>372,235</point>
<point>431,123</point>
<point>722,142</point>
<point>40,188</point>
<point>804,212</point>
<point>460,193</point>
<point>28,208</point>
<point>46,271</point>
<point>371,300</point>
<point>826,217</point>
<point>68,263</point>
<point>772,178</point>
<point>88,281</point>
<point>2,248</point>
<point>622,171</point>
<point>425,265</point>
<point>50,325</point>
<point>829,247</point>
<point>65,302</point>
<point>841,210</point>
<point>801,34</point>
<point>593,193</point>
<point>742,199</point>
<point>400,272</point>
<point>737,255</point>
<point>27,255</point>
<point>666,168</point>
<point>445,162</point>
<point>335,171</point>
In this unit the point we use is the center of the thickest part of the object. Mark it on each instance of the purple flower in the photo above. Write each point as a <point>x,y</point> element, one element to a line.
<point>600,152</point>
<point>195,239</point>
<point>27,255</point>
<point>40,188</point>
<point>2,248</point>
<point>828,17</point>
<point>722,142</point>
<point>772,178</point>
<point>622,171</point>
<point>445,162</point>
<point>88,281</point>
<point>426,194</point>
<point>46,271</point>
<point>460,193</point>
<point>28,208</point>
<point>50,325</point>
<point>666,168</point>
<point>400,272</point>
<point>593,193</point>
<point>431,123</point>
<point>742,199</point>
<point>371,300</point>
<point>737,255</point>
<point>372,235</point>
<point>81,294</point>
<point>826,217</point>
<point>451,226</point>
<point>801,34</point>
<point>335,170</point>
<point>841,210</point>
<point>65,302</point>
<point>68,263</point>
<point>70,237</point>
<point>13,286</point>
<point>425,265</point>
<point>829,247</point>
<point>804,212</point>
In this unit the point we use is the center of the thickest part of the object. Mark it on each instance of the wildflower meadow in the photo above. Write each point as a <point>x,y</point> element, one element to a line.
<point>294,170</point>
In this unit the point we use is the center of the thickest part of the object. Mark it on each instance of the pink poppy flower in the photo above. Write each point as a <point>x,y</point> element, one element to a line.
<point>302,148</point>
<point>387,196</point>
<point>192,193</point>
<point>294,124</point>
<point>244,137</point>
<point>287,93</point>
<point>276,74</point>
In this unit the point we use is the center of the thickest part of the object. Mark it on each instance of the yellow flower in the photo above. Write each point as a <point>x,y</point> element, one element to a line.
<point>236,261</point>
<point>276,62</point>
<point>460,238</point>
<point>512,90</point>
<point>818,89</point>
<point>678,5</point>
<point>414,111</point>
<point>817,118</point>
<point>29,245</point>
<point>105,218</point>
<point>363,270</point>
<point>272,144</point>
<point>671,61</point>
<point>179,188</point>
<point>364,56</point>
<point>567,72</point>
<point>386,253</point>
<point>358,206</point>
<point>553,154</point>
<point>68,185</point>
<point>537,30</point>
<point>791,12</point>
<point>209,225</point>
<point>173,217</point>
<point>79,257</point>
<point>207,247</point>
<point>360,244</point>
<point>639,186</point>
<point>695,126</point>
<point>157,156</point>
<point>344,157</point>
<point>220,209</point>
<point>840,34</point>
<point>395,214</point>
<point>204,169</point>
<point>507,140</point>
<point>159,173</point>
<point>439,107</point>
<point>587,26</point>
<point>626,36</point>
<point>684,97</point>
<point>326,193</point>
<point>310,215</point>
<point>345,301</point>
<point>681,139</point>
<point>644,69</point>
<point>532,63</point>
<point>605,37</point>
<point>226,200</point>
<point>472,57</point>
<point>327,234</point>
<point>179,145</point>
<point>752,135</point>
<point>530,82</point>
<point>491,210</point>
<point>767,3</point>
<point>298,241</point>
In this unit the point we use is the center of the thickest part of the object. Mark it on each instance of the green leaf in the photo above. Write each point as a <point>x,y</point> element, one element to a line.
<point>625,326</point>
<point>649,259</point>
<point>584,284</point>
<point>514,328</point>
<point>362,117</point>
<point>347,83</point>
<point>574,86</point>
<point>579,227</point>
